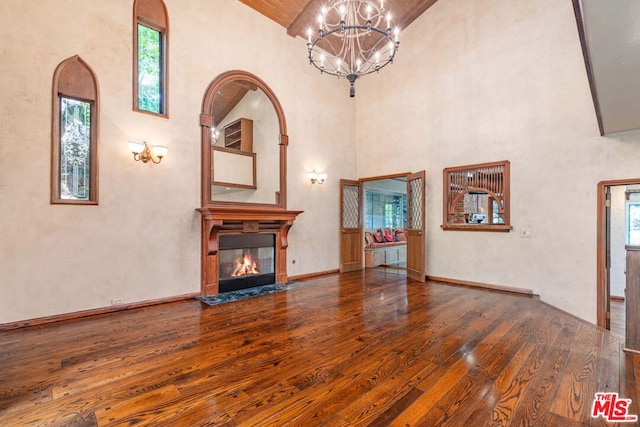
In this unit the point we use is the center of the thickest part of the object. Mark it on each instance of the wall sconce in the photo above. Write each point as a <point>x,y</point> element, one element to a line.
<point>141,151</point>
<point>316,177</point>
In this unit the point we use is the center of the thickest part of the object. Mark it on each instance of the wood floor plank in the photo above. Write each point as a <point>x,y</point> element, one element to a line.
<point>355,349</point>
<point>579,382</point>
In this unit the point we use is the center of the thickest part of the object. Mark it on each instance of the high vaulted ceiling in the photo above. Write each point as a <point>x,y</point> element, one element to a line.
<point>609,33</point>
<point>298,15</point>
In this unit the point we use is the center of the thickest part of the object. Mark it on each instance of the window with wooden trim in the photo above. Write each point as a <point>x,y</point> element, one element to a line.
<point>150,56</point>
<point>476,197</point>
<point>74,159</point>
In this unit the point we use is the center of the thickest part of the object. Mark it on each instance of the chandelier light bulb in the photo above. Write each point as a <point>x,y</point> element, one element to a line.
<point>352,41</point>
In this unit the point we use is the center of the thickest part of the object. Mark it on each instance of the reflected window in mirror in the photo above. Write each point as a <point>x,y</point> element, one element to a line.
<point>476,197</point>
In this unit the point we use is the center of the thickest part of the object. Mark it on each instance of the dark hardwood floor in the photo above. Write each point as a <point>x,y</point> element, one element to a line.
<point>363,348</point>
<point>618,316</point>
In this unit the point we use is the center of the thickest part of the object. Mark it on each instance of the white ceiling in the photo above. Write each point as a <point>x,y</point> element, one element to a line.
<point>612,32</point>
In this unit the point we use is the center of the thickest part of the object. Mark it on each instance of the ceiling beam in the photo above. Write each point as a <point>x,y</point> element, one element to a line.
<point>226,108</point>
<point>413,14</point>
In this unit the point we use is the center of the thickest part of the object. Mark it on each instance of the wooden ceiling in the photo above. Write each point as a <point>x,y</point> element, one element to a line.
<point>228,97</point>
<point>298,15</point>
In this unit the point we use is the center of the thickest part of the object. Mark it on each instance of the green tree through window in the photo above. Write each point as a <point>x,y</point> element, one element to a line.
<point>149,69</point>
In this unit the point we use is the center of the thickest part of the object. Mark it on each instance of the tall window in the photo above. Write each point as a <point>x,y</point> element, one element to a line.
<point>150,42</point>
<point>75,149</point>
<point>74,134</point>
<point>385,210</point>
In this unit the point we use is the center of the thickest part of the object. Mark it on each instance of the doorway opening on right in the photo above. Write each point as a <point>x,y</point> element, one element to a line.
<point>385,224</point>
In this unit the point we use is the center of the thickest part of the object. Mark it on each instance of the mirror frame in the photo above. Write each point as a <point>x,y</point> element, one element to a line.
<point>206,122</point>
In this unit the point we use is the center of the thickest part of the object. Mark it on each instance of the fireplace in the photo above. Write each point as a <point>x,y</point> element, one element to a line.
<point>246,261</point>
<point>220,224</point>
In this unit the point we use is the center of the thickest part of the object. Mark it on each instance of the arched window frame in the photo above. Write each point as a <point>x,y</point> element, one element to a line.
<point>74,79</point>
<point>152,14</point>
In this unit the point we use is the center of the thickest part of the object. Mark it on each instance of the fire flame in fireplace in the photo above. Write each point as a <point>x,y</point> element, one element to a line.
<point>245,266</point>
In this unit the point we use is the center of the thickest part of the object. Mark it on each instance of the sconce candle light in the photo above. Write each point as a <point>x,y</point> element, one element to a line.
<point>316,177</point>
<point>215,135</point>
<point>141,151</point>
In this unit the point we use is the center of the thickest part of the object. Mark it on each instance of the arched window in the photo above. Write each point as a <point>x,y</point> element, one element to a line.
<point>74,168</point>
<point>150,56</point>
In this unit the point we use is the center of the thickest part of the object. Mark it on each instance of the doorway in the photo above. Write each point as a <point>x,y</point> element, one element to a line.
<point>618,226</point>
<point>385,223</point>
<point>397,246</point>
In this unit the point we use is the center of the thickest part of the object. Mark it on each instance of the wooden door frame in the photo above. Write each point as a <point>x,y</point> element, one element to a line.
<point>601,250</point>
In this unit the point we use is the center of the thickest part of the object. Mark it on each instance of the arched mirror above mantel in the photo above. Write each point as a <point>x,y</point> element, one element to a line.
<point>244,142</point>
<point>244,190</point>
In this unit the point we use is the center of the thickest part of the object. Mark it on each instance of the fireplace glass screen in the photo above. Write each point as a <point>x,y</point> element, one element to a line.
<point>246,261</point>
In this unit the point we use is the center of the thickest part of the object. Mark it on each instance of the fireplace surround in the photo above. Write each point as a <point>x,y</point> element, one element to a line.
<point>238,223</point>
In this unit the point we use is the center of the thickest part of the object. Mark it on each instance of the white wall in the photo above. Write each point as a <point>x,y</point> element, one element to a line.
<point>500,80</point>
<point>143,240</point>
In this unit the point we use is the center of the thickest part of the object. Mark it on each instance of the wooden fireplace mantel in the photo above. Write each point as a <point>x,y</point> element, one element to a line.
<point>217,221</point>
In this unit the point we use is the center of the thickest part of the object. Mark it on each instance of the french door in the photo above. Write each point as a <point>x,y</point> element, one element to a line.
<point>416,226</point>
<point>350,226</point>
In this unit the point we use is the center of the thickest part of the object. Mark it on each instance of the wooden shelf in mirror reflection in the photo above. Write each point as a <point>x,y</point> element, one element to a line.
<point>238,135</point>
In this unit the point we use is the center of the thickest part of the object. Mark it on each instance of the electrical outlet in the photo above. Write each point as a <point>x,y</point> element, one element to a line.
<point>116,301</point>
